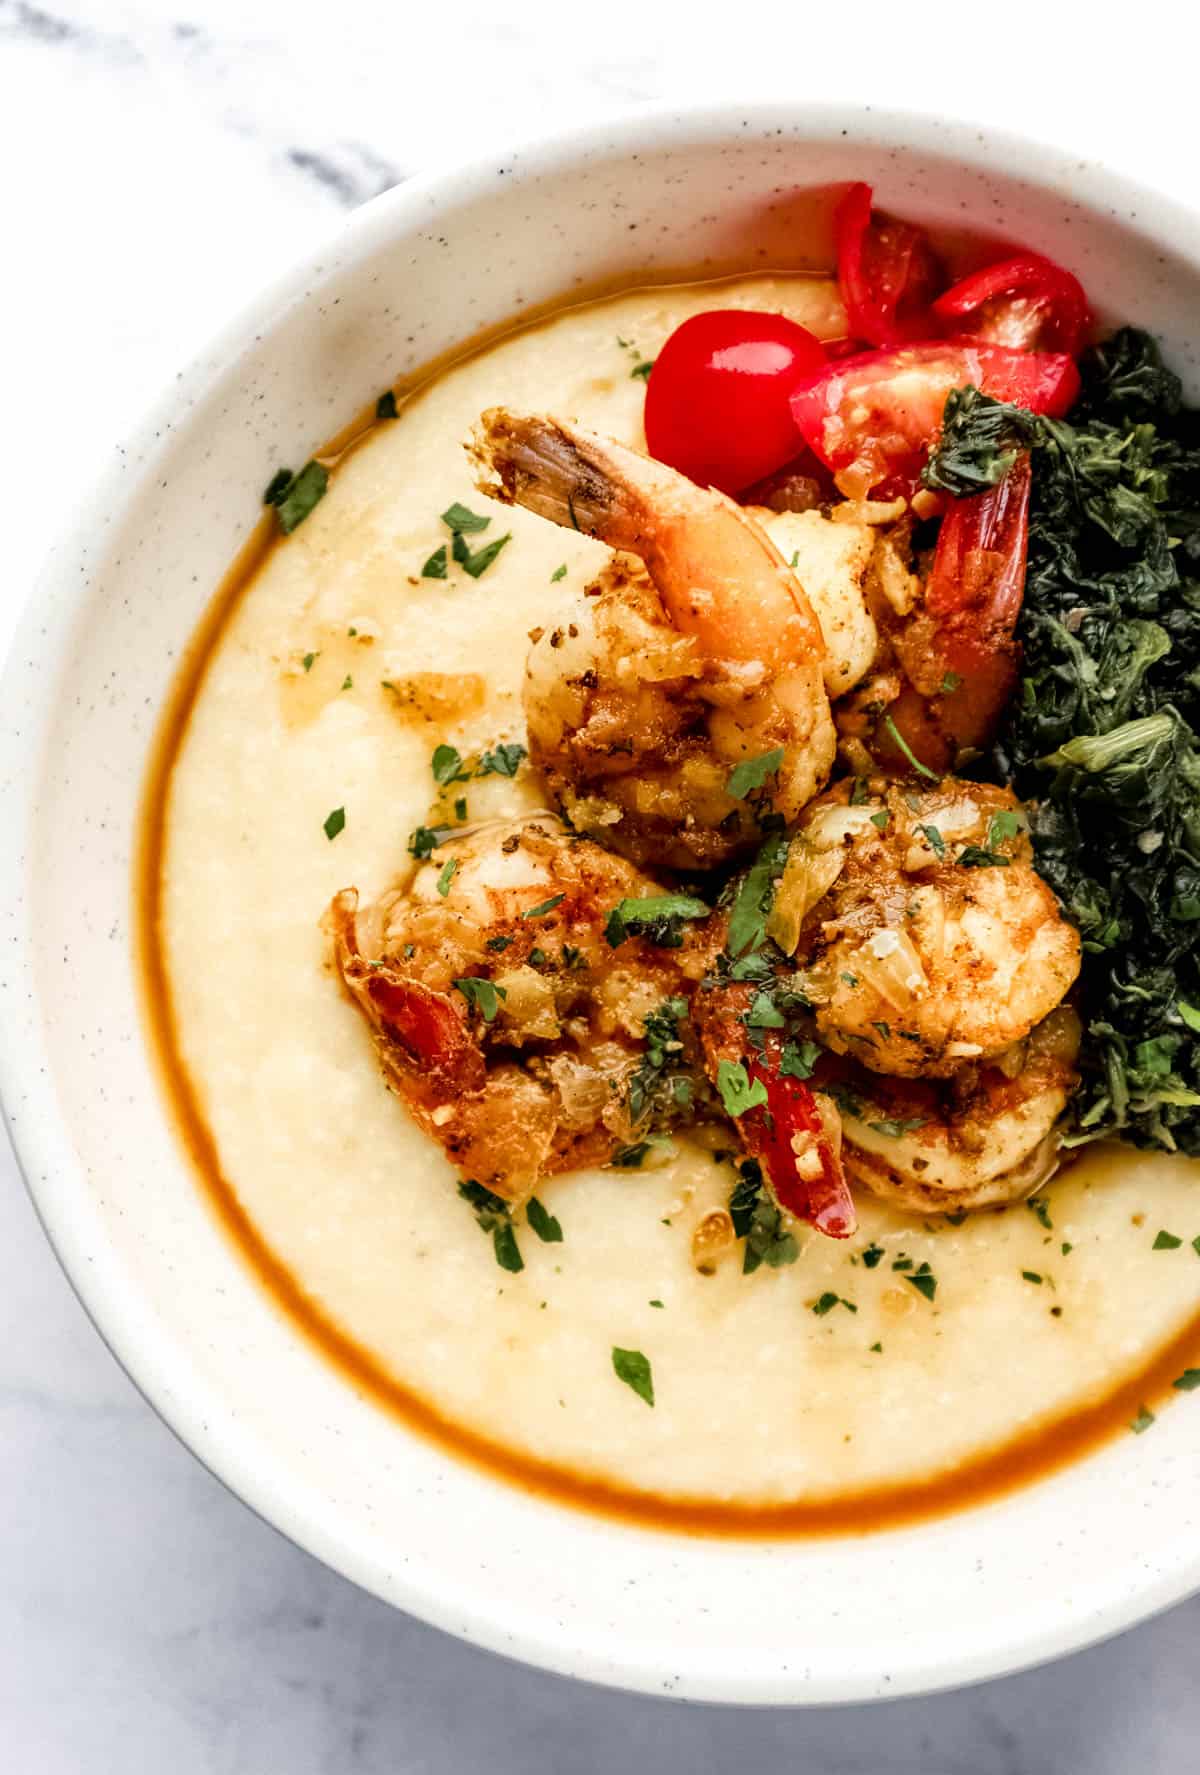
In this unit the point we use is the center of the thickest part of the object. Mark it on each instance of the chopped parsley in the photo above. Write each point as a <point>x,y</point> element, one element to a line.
<point>1166,1242</point>
<point>922,1279</point>
<point>478,561</point>
<point>544,907</point>
<point>758,1221</point>
<point>739,1093</point>
<point>446,877</point>
<point>502,761</point>
<point>797,1059</point>
<point>937,843</point>
<point>873,1255</point>
<point>295,496</point>
<point>544,1224</point>
<point>482,995</point>
<point>894,1129</point>
<point>752,773</point>
<point>559,573</point>
<point>426,839</point>
<point>1188,1381</point>
<point>656,918</point>
<point>1142,1421</point>
<point>347,682</point>
<point>748,920</point>
<point>633,1368</point>
<point>1032,1276</point>
<point>655,1083</point>
<point>643,370</point>
<point>902,744</point>
<point>435,566</point>
<point>460,808</point>
<point>495,1217</point>
<point>385,406</point>
<point>446,765</point>
<point>462,521</point>
<point>498,942</point>
<point>335,823</point>
<point>1039,1206</point>
<point>828,1301</point>
<point>307,661</point>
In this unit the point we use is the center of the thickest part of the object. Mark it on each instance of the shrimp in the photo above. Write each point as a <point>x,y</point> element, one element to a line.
<point>512,1016</point>
<point>987,1136</point>
<point>711,657</point>
<point>950,659</point>
<point>923,936</point>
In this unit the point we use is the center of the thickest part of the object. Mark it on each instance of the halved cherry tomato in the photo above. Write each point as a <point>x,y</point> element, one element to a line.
<point>887,272</point>
<point>872,418</point>
<point>717,403</point>
<point>791,1113</point>
<point>959,653</point>
<point>1028,302</point>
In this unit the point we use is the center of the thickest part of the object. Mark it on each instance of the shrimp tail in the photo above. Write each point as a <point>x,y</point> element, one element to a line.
<point>799,1148</point>
<point>559,472</point>
<point>422,1038</point>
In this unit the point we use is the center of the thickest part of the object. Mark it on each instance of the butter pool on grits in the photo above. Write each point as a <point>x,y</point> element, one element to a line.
<point>757,1398</point>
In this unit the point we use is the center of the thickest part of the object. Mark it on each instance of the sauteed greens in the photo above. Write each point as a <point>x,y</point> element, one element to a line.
<point>1103,736</point>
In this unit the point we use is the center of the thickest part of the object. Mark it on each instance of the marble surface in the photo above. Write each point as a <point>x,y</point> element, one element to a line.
<point>159,164</point>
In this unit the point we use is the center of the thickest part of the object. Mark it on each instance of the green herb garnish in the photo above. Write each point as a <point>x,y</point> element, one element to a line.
<point>385,406</point>
<point>446,877</point>
<point>1142,1421</point>
<point>502,761</point>
<point>633,1368</point>
<point>482,994</point>
<point>462,521</point>
<point>334,823</point>
<point>544,907</point>
<point>494,1216</point>
<point>752,773</point>
<point>480,560</point>
<point>657,918</point>
<point>544,1224</point>
<point>1166,1242</point>
<point>739,1093</point>
<point>446,765</point>
<point>435,566</point>
<point>296,497</point>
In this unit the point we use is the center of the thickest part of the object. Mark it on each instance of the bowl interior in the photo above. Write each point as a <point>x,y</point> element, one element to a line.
<point>420,270</point>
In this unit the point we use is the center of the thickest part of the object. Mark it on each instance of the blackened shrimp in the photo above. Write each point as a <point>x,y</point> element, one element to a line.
<point>711,658</point>
<point>512,1016</point>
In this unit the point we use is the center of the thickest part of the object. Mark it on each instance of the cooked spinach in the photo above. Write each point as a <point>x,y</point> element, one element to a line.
<point>1103,736</point>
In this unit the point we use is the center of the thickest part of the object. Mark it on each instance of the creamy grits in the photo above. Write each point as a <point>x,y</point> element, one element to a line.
<point>337,673</point>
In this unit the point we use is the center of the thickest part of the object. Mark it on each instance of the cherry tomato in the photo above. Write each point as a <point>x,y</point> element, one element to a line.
<point>872,418</point>
<point>1028,302</point>
<point>887,272</point>
<point>717,402</point>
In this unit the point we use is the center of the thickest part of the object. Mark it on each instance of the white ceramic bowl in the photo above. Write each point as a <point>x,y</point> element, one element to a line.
<point>1034,1574</point>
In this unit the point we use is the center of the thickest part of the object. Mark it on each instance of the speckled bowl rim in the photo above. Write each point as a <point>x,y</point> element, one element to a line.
<point>43,1147</point>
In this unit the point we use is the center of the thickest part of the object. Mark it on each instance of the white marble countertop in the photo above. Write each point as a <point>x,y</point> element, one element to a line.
<point>159,165</point>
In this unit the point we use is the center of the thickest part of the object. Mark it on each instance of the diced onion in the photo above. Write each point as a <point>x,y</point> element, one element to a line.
<point>807,877</point>
<point>888,961</point>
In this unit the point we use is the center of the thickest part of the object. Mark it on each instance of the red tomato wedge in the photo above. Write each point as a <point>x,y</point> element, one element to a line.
<point>717,402</point>
<point>872,418</point>
<point>1027,302</point>
<point>887,272</point>
<point>791,1114</point>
